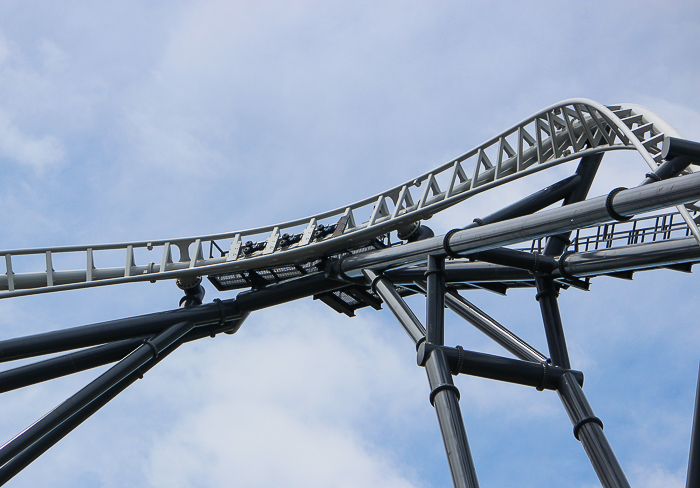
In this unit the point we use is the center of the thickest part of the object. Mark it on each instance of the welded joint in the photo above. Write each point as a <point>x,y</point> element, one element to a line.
<point>611,210</point>
<point>582,422</point>
<point>653,176</point>
<point>443,387</point>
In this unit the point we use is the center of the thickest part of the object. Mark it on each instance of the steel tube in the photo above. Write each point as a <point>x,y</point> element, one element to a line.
<point>587,169</point>
<point>91,358</point>
<point>511,342</point>
<point>93,390</point>
<point>588,429</point>
<point>631,258</point>
<point>403,313</point>
<point>445,399</point>
<point>435,304</point>
<point>547,297</point>
<point>532,203</point>
<point>540,376</point>
<point>460,271</point>
<point>628,202</point>
<point>693,479</point>
<point>28,455</point>
<point>49,369</point>
<point>208,314</point>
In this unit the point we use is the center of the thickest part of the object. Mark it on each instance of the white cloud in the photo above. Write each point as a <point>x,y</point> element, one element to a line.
<point>39,153</point>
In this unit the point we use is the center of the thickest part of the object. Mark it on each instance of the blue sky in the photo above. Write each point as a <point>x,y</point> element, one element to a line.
<point>126,120</point>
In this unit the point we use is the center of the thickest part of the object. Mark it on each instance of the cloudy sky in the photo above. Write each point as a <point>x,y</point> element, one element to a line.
<point>145,120</point>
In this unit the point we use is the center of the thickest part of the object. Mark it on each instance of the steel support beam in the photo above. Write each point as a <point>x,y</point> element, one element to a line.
<point>403,313</point>
<point>538,375</point>
<point>33,451</point>
<point>208,315</point>
<point>435,304</point>
<point>589,430</point>
<point>93,390</point>
<point>547,297</point>
<point>444,396</point>
<point>489,326</point>
<point>548,222</point>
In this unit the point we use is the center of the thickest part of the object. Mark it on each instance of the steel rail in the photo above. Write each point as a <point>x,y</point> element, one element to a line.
<point>557,134</point>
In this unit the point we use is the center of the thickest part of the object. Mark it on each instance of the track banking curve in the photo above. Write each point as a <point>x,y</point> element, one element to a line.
<point>565,131</point>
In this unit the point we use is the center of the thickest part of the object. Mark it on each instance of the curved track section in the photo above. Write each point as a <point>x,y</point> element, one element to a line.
<point>560,133</point>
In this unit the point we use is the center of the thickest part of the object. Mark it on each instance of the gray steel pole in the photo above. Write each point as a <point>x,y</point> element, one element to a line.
<point>627,202</point>
<point>589,430</point>
<point>403,313</point>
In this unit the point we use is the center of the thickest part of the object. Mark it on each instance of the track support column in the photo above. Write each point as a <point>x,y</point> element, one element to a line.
<point>444,395</point>
<point>589,430</point>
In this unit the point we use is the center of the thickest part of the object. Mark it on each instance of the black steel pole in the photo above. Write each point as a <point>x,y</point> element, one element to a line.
<point>209,314</point>
<point>538,375</point>
<point>435,306</point>
<point>75,362</point>
<point>28,455</point>
<point>49,369</point>
<point>547,297</point>
<point>587,169</point>
<point>444,396</point>
<point>403,313</point>
<point>93,390</point>
<point>693,480</point>
<point>589,430</point>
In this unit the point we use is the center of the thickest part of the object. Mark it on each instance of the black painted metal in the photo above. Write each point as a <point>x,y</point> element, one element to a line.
<point>397,305</point>
<point>459,271</point>
<point>142,326</point>
<point>693,479</point>
<point>443,394</point>
<point>435,306</point>
<point>674,147</point>
<point>28,455</point>
<point>65,365</point>
<point>547,293</point>
<point>586,170</point>
<point>532,203</point>
<point>93,390</point>
<point>532,262</point>
<point>445,398</point>
<point>669,169</point>
<point>538,375</point>
<point>588,429</point>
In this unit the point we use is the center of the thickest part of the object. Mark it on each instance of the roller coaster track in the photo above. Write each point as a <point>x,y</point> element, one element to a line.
<point>560,133</point>
<point>345,258</point>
